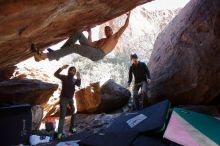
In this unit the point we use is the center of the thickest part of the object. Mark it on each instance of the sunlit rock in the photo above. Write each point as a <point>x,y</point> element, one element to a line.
<point>88,99</point>
<point>37,115</point>
<point>95,99</point>
<point>26,91</point>
<point>185,63</point>
<point>47,22</point>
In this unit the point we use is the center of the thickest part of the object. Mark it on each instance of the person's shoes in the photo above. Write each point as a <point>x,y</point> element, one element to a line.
<point>60,135</point>
<point>72,130</point>
<point>50,50</point>
<point>38,57</point>
<point>37,54</point>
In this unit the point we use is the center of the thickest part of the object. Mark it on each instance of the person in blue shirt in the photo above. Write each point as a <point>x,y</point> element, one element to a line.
<point>66,96</point>
<point>141,75</point>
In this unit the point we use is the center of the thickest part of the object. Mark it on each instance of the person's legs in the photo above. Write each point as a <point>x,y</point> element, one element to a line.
<point>86,51</point>
<point>63,105</point>
<point>39,55</point>
<point>135,96</point>
<point>71,103</point>
<point>144,90</point>
<point>73,38</point>
<point>70,47</point>
<point>83,40</point>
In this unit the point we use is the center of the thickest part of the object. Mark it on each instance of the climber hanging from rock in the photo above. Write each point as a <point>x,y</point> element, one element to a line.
<point>95,51</point>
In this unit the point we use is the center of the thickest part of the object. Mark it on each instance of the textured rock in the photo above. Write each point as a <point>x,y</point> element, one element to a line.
<point>92,122</point>
<point>37,115</point>
<point>94,99</point>
<point>185,63</point>
<point>88,99</point>
<point>209,110</point>
<point>7,72</point>
<point>48,22</point>
<point>113,95</point>
<point>26,91</point>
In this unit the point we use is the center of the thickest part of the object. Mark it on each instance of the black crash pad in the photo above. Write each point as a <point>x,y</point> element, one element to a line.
<point>143,140</point>
<point>15,124</point>
<point>150,119</point>
<point>109,139</point>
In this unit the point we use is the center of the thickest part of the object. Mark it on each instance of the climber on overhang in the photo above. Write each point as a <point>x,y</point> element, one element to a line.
<point>95,51</point>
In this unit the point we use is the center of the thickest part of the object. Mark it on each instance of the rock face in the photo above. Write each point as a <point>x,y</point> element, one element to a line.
<point>26,91</point>
<point>113,96</point>
<point>48,22</point>
<point>37,115</point>
<point>94,99</point>
<point>7,72</point>
<point>88,99</point>
<point>185,63</point>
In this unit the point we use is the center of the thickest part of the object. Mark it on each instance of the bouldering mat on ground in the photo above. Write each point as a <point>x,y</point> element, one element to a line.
<point>15,124</point>
<point>150,119</point>
<point>143,140</point>
<point>109,139</point>
<point>191,128</point>
<point>68,143</point>
<point>69,139</point>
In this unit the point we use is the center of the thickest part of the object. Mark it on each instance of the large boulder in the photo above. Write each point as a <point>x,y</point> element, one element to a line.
<point>95,99</point>
<point>185,62</point>
<point>88,99</point>
<point>113,96</point>
<point>48,22</point>
<point>26,91</point>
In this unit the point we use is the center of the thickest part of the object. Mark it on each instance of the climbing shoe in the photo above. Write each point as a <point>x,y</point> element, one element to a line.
<point>37,53</point>
<point>50,50</point>
<point>60,135</point>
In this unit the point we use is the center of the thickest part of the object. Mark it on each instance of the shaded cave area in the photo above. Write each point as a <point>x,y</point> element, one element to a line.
<point>184,63</point>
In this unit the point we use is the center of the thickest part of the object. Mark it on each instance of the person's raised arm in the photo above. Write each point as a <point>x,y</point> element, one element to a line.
<point>89,35</point>
<point>122,29</point>
<point>78,82</point>
<point>57,73</point>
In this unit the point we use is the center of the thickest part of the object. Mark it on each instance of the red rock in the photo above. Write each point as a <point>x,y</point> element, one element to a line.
<point>95,99</point>
<point>48,22</point>
<point>26,91</point>
<point>185,63</point>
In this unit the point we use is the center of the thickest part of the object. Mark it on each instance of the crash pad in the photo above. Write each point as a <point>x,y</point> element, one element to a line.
<point>108,139</point>
<point>191,128</point>
<point>144,140</point>
<point>150,119</point>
